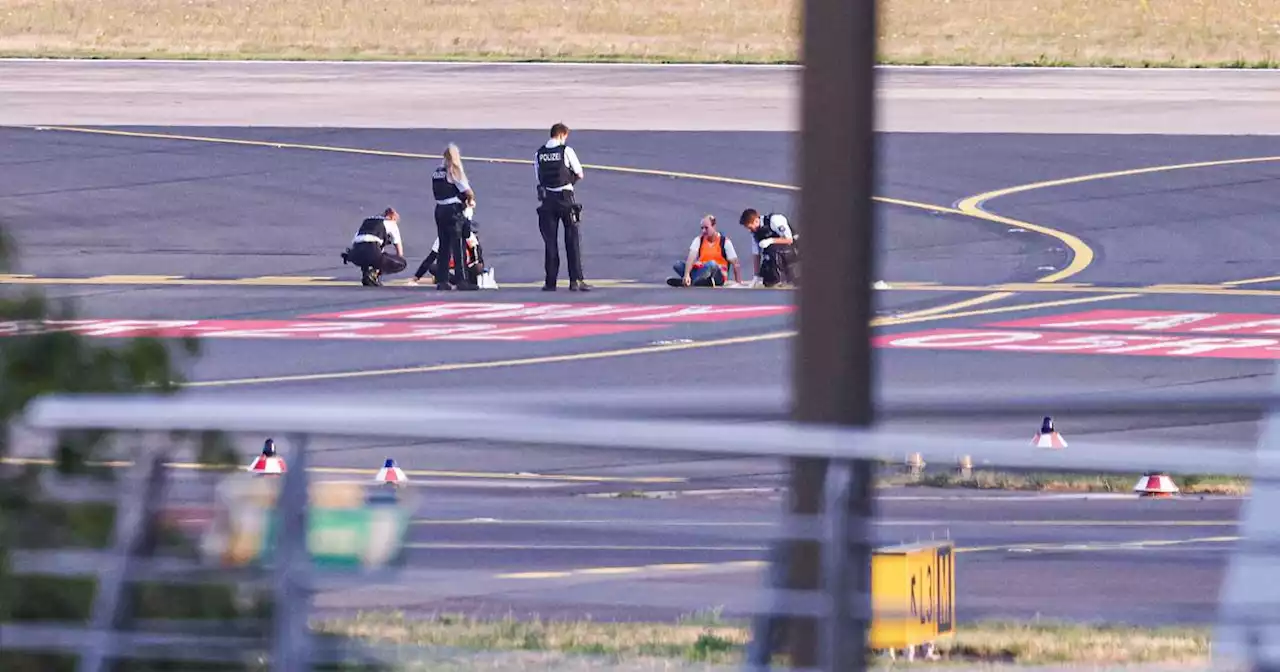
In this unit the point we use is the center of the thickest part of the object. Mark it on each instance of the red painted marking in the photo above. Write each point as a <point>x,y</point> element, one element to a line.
<point>1244,324</point>
<point>313,330</point>
<point>1094,344</point>
<point>559,312</point>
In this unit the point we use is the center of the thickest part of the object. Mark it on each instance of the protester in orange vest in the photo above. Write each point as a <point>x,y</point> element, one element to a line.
<point>710,256</point>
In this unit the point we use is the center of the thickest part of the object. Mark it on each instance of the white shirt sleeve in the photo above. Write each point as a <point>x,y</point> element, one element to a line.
<point>780,226</point>
<point>393,232</point>
<point>696,244</point>
<point>571,158</point>
<point>462,185</point>
<point>729,253</point>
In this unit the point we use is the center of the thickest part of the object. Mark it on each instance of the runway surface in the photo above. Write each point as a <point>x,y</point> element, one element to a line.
<point>240,240</point>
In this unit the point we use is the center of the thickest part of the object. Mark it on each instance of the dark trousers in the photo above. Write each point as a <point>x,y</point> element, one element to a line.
<point>370,255</point>
<point>449,229</point>
<point>778,265</point>
<point>555,210</point>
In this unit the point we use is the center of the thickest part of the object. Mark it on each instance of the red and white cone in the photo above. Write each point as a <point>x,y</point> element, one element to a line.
<point>268,463</point>
<point>1155,484</point>
<point>1048,437</point>
<point>390,474</point>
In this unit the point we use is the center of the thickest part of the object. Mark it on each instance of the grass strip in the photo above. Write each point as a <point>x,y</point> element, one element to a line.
<point>712,640</point>
<point>1192,484</point>
<point>1140,33</point>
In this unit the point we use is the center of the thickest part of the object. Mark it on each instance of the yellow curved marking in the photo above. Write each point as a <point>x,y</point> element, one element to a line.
<point>938,312</point>
<point>1082,255</point>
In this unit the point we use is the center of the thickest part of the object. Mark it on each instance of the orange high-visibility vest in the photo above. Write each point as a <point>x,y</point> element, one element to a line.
<point>712,250</point>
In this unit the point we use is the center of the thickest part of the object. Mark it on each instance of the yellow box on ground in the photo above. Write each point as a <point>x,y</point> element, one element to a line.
<point>913,594</point>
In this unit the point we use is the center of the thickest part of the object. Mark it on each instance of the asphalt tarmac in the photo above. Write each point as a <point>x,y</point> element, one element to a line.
<point>86,205</point>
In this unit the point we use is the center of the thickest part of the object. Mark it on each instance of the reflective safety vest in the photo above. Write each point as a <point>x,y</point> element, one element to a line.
<point>713,251</point>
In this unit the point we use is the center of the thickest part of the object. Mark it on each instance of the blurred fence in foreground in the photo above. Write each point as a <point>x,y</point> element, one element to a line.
<point>367,537</point>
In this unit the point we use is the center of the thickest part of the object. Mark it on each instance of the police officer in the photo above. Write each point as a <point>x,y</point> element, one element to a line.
<point>453,197</point>
<point>367,252</point>
<point>773,246</point>
<point>558,170</point>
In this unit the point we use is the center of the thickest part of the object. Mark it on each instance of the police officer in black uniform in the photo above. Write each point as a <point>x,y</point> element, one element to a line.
<point>558,170</point>
<point>367,252</point>
<point>453,194</point>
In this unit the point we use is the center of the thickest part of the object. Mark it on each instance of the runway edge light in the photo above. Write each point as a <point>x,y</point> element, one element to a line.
<point>1048,437</point>
<point>268,463</point>
<point>1155,484</point>
<point>390,474</point>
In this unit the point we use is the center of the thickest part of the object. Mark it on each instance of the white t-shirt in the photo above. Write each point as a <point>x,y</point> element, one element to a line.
<point>570,159</point>
<point>778,224</point>
<point>729,253</point>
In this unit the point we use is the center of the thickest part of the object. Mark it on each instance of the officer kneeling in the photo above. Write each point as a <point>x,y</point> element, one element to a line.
<point>776,256</point>
<point>367,252</point>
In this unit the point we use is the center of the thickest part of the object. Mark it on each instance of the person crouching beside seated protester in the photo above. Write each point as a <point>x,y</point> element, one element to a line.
<point>773,243</point>
<point>367,252</point>
<point>475,272</point>
<point>710,256</point>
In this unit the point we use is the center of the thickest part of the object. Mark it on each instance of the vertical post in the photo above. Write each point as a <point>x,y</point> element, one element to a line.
<point>132,534</point>
<point>292,564</point>
<point>848,564</point>
<point>833,364</point>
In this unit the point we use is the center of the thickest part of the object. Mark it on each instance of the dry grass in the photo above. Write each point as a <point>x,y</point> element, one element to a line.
<point>1133,32</point>
<point>995,480</point>
<point>1049,643</point>
<point>721,643</point>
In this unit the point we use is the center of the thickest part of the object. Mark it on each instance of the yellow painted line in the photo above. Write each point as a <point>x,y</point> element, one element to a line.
<point>130,279</point>
<point>1096,546</point>
<point>414,155</point>
<point>759,564</point>
<point>534,575</point>
<point>1252,281</point>
<point>958,305</point>
<point>569,478</point>
<point>493,364</point>
<point>611,570</point>
<point>1082,254</point>
<point>912,319</point>
<point>624,522</point>
<point>624,352</point>
<point>446,546</point>
<point>676,567</point>
<point>598,571</point>
<point>971,207</point>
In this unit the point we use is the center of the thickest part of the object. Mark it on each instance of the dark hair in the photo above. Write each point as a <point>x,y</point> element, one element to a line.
<point>748,215</point>
<point>390,212</point>
<point>559,129</point>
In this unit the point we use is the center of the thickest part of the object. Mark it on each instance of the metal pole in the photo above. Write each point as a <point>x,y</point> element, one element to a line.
<point>848,564</point>
<point>292,565</point>
<point>833,364</point>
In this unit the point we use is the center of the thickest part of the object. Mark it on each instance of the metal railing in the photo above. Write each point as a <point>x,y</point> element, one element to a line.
<point>1248,632</point>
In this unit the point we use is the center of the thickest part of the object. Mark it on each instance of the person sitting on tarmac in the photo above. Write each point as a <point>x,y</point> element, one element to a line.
<point>710,256</point>
<point>775,255</point>
<point>476,273</point>
<point>367,252</point>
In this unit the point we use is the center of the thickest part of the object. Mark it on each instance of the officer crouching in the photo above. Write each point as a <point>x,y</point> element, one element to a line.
<point>558,170</point>
<point>367,252</point>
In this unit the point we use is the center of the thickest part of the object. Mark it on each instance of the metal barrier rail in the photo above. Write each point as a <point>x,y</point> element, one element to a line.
<point>611,425</point>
